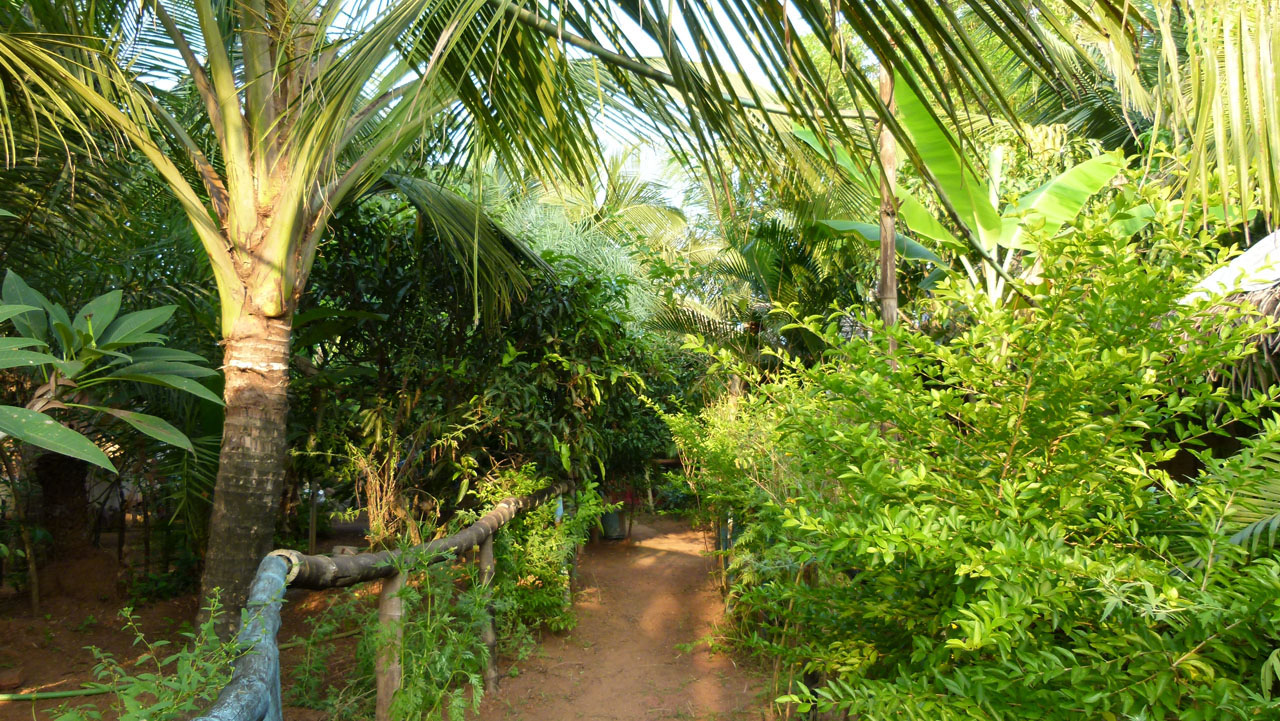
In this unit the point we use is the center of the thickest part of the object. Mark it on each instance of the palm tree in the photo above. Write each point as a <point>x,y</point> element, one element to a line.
<point>309,101</point>
<point>1201,73</point>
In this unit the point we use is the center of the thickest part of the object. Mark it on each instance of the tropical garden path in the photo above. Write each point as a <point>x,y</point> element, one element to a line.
<point>641,604</point>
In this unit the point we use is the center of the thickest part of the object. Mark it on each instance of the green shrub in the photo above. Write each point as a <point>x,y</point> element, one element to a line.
<point>534,557</point>
<point>982,528</point>
<point>162,683</point>
<point>445,608</point>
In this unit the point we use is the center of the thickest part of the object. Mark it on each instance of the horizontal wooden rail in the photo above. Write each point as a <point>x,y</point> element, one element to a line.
<point>253,694</point>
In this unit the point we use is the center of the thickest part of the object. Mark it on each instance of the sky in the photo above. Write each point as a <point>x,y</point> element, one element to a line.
<point>653,162</point>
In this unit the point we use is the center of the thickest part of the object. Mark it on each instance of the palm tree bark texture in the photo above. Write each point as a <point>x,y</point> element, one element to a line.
<point>251,464</point>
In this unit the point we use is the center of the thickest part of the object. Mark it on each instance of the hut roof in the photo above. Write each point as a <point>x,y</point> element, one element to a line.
<point>1251,278</point>
<point>1253,271</point>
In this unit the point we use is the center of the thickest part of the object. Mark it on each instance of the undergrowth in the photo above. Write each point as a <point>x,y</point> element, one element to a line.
<point>442,656</point>
<point>163,683</point>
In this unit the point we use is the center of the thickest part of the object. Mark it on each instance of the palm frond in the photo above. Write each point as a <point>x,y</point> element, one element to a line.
<point>1253,516</point>
<point>467,234</point>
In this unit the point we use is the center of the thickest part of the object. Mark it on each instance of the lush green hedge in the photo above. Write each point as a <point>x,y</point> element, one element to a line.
<point>978,526</point>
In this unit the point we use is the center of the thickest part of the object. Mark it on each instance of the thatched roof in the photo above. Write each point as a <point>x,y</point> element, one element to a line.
<point>1255,270</point>
<point>1251,278</point>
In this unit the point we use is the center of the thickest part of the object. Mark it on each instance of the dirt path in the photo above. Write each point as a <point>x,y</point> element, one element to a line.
<point>639,603</point>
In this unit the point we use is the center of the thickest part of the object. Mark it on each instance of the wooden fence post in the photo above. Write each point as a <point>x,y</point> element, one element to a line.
<point>391,624</point>
<point>488,634</point>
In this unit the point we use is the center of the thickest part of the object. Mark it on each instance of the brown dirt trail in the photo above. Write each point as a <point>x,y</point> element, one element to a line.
<point>639,603</point>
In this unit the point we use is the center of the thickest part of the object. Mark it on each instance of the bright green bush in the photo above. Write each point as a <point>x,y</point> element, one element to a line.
<point>981,524</point>
<point>534,556</point>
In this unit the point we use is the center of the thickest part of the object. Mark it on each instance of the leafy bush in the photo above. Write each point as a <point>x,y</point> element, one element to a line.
<point>986,527</point>
<point>556,384</point>
<point>534,556</point>
<point>181,683</point>
<point>445,608</point>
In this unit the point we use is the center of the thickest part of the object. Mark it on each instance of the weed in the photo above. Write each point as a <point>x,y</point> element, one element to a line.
<point>173,686</point>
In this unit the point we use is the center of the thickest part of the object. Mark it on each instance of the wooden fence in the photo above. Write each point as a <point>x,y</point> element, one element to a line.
<point>253,694</point>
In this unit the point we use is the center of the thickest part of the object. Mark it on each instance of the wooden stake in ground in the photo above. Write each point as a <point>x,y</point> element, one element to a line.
<point>888,206</point>
<point>488,633</point>
<point>391,620</point>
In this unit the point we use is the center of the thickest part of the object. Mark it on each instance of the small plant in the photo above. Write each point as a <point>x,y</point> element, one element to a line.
<point>77,360</point>
<point>89,623</point>
<point>174,684</point>
<point>151,587</point>
<point>442,655</point>
<point>311,683</point>
<point>76,366</point>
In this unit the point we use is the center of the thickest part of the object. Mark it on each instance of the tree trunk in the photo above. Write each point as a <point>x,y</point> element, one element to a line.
<point>251,465</point>
<point>65,501</point>
<point>888,207</point>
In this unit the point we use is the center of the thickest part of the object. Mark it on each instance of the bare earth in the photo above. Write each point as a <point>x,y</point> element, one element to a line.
<point>640,604</point>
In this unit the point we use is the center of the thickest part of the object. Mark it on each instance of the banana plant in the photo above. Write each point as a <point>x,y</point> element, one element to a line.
<point>1003,235</point>
<point>81,359</point>
<point>906,247</point>
<point>1000,236</point>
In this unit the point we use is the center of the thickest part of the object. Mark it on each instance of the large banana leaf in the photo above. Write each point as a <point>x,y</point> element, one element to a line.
<point>953,177</point>
<point>906,247</point>
<point>1062,198</point>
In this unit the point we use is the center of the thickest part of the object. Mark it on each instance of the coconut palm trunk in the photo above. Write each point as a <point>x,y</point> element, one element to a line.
<point>251,465</point>
<point>888,208</point>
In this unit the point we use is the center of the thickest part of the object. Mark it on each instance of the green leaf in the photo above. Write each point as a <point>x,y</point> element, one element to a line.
<point>907,248</point>
<point>70,368</point>
<point>60,322</point>
<point>176,368</point>
<point>938,151</point>
<point>1063,197</point>
<point>174,382</point>
<point>932,280</point>
<point>98,313</point>
<point>158,353</point>
<point>16,292</point>
<point>157,428</point>
<point>40,430</point>
<point>921,222</point>
<point>16,343</point>
<point>25,359</point>
<point>134,327</point>
<point>9,311</point>
<point>1133,220</point>
<point>842,158</point>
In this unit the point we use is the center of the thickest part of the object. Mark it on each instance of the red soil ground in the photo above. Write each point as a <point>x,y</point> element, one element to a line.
<point>640,606</point>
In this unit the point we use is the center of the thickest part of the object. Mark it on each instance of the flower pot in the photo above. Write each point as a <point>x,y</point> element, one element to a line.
<point>613,525</point>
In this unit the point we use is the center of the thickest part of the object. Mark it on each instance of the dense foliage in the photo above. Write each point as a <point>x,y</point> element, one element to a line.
<point>982,523</point>
<point>1037,497</point>
<point>561,383</point>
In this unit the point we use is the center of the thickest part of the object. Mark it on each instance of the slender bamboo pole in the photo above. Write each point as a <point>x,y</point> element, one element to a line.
<point>391,620</point>
<point>888,208</point>
<point>488,634</point>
